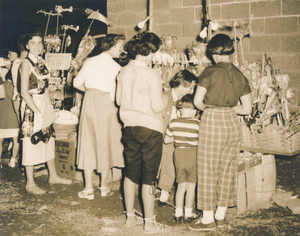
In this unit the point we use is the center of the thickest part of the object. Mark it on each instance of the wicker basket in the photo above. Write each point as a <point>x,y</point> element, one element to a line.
<point>64,128</point>
<point>271,140</point>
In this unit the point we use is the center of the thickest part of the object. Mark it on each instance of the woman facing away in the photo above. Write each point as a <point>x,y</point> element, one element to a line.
<point>9,124</point>
<point>219,89</point>
<point>139,95</point>
<point>99,141</point>
<point>37,114</point>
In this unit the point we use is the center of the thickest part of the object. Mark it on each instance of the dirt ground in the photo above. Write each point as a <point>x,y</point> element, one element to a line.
<point>61,212</point>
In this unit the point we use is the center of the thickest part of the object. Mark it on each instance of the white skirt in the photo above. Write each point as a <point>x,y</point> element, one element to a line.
<point>9,133</point>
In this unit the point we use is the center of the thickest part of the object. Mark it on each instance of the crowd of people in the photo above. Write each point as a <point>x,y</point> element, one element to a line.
<point>189,133</point>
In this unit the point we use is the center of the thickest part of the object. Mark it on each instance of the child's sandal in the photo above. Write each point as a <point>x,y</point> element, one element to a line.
<point>139,220</point>
<point>160,228</point>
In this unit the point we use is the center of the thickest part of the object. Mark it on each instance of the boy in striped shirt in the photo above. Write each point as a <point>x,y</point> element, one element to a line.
<point>183,131</point>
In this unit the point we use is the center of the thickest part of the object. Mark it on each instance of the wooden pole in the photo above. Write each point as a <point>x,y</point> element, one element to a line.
<point>150,15</point>
<point>88,30</point>
<point>47,24</point>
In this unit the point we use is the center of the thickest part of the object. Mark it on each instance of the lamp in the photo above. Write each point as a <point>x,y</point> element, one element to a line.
<point>203,33</point>
<point>141,24</point>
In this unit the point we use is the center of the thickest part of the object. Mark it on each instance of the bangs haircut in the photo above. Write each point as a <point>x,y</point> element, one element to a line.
<point>30,36</point>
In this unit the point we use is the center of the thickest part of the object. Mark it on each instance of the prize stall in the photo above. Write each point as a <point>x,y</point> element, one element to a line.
<point>271,129</point>
<point>63,70</point>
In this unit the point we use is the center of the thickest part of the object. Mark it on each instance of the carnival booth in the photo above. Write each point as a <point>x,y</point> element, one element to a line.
<point>272,128</point>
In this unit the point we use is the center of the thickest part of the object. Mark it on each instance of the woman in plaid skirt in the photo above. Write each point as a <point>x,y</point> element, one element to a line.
<point>219,90</point>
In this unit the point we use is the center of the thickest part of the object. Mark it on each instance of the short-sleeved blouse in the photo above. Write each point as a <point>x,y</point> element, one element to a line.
<point>225,84</point>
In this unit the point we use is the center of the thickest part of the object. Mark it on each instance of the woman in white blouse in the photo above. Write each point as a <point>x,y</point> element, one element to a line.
<point>99,140</point>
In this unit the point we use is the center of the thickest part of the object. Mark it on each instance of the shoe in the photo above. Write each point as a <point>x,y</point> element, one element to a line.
<point>220,223</point>
<point>189,219</point>
<point>199,226</point>
<point>166,203</point>
<point>160,228</point>
<point>104,191</point>
<point>60,181</point>
<point>88,194</point>
<point>178,219</point>
<point>12,162</point>
<point>139,219</point>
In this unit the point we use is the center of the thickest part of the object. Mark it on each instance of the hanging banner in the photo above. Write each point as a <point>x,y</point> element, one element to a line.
<point>58,61</point>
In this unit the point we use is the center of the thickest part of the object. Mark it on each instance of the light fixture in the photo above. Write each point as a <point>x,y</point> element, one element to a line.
<point>203,33</point>
<point>214,26</point>
<point>141,24</point>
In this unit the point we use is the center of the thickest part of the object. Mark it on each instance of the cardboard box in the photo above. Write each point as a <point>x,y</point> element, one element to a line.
<point>65,159</point>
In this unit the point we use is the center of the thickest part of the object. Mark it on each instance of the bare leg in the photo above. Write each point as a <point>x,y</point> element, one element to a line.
<point>148,202</point>
<point>190,195</point>
<point>30,184</point>
<point>53,177</point>
<point>15,147</point>
<point>1,146</point>
<point>179,198</point>
<point>129,192</point>
<point>88,179</point>
<point>104,175</point>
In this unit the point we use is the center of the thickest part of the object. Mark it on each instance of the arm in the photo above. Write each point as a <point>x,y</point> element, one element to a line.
<point>157,100</point>
<point>168,139</point>
<point>118,92</point>
<point>78,82</point>
<point>168,136</point>
<point>246,107</point>
<point>199,97</point>
<point>2,90</point>
<point>25,72</point>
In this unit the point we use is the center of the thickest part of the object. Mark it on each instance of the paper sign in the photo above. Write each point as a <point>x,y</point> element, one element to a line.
<point>58,61</point>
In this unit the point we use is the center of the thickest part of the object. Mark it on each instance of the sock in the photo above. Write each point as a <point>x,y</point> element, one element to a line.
<point>178,211</point>
<point>208,217</point>
<point>220,213</point>
<point>188,212</point>
<point>164,195</point>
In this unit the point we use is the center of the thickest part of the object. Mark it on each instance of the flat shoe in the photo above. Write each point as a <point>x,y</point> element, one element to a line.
<point>104,191</point>
<point>220,223</point>
<point>60,181</point>
<point>139,221</point>
<point>189,219</point>
<point>199,226</point>
<point>35,191</point>
<point>160,228</point>
<point>88,194</point>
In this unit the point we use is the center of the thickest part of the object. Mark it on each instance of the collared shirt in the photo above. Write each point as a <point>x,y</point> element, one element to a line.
<point>99,72</point>
<point>224,83</point>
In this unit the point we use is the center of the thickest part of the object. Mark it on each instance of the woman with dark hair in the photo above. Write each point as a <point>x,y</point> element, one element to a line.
<point>219,90</point>
<point>139,95</point>
<point>37,114</point>
<point>182,83</point>
<point>99,141</point>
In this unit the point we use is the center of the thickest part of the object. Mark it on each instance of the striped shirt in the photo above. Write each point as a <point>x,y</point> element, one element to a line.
<point>184,131</point>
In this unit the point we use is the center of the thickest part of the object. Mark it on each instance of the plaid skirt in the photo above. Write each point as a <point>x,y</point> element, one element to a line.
<point>220,136</point>
<point>99,140</point>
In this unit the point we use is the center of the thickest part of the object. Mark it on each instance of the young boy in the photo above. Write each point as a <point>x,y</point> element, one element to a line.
<point>183,131</point>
